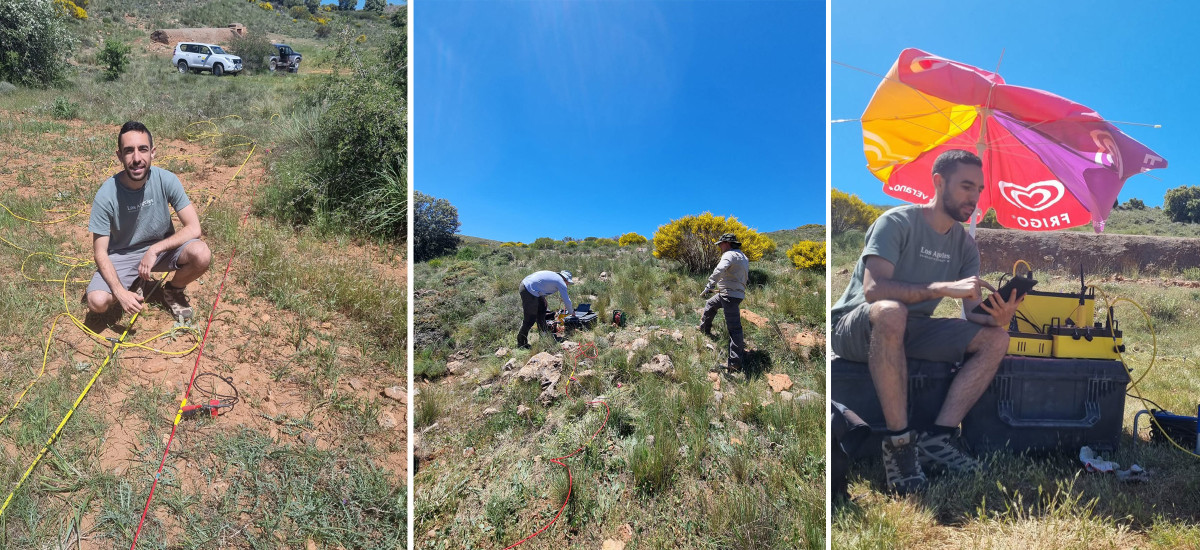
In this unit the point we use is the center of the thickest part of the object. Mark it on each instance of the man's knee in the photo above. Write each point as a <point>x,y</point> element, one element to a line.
<point>99,301</point>
<point>994,339</point>
<point>888,317</point>
<point>197,254</point>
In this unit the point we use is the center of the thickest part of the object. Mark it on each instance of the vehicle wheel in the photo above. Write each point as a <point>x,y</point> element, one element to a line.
<point>218,70</point>
<point>183,68</point>
<point>272,66</point>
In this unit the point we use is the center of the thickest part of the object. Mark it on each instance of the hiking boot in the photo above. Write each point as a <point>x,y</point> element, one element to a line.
<point>945,451</point>
<point>904,473</point>
<point>178,302</point>
<point>707,331</point>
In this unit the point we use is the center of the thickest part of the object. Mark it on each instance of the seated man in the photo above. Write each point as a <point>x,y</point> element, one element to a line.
<point>534,290</point>
<point>132,233</point>
<point>915,256</point>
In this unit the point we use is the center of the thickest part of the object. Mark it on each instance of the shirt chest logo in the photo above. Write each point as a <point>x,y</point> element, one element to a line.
<point>935,255</point>
<point>136,207</point>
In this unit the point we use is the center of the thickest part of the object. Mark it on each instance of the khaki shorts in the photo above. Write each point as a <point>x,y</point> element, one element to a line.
<point>929,338</point>
<point>127,266</point>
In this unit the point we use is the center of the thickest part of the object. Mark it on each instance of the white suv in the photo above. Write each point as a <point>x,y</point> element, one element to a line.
<point>196,57</point>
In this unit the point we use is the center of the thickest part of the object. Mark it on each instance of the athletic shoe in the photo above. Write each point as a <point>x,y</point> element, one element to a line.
<point>944,451</point>
<point>904,473</point>
<point>178,302</point>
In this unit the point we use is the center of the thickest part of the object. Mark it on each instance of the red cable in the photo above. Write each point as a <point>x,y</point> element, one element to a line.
<point>212,312</point>
<point>583,351</point>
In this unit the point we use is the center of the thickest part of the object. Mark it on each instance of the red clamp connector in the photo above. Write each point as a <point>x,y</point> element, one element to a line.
<point>213,407</point>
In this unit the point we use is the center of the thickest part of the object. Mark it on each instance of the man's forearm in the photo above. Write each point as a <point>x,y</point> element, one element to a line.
<point>905,293</point>
<point>108,272</point>
<point>184,235</point>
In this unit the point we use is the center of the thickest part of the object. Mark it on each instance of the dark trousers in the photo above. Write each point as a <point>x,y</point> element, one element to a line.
<point>535,310</point>
<point>733,323</point>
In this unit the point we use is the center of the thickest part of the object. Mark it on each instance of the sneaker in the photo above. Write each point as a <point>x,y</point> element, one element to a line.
<point>944,451</point>
<point>904,473</point>
<point>178,302</point>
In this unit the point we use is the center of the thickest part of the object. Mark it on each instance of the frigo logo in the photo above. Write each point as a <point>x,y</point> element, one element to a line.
<point>1034,197</point>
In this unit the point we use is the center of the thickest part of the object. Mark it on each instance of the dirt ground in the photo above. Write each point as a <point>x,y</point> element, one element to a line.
<point>249,336</point>
<point>1099,254</point>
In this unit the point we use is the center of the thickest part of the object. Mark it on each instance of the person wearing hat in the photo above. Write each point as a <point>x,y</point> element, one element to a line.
<point>534,290</point>
<point>729,280</point>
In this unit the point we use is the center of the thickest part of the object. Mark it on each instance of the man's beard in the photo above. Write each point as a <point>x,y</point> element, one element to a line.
<point>955,211</point>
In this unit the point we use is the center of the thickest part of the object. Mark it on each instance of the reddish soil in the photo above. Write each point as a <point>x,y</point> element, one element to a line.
<point>249,338</point>
<point>1099,254</point>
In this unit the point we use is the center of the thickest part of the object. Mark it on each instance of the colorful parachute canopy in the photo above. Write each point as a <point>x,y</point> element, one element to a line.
<point>1049,163</point>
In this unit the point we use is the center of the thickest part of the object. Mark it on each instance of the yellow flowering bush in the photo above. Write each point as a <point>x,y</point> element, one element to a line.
<point>631,238</point>
<point>689,241</point>
<point>807,255</point>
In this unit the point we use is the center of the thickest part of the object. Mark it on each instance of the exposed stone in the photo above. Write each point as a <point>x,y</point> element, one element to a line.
<point>779,382</point>
<point>356,384</point>
<point>718,396</point>
<point>538,365</point>
<point>510,365</point>
<point>569,346</point>
<point>469,452</point>
<point>603,276</point>
<point>501,352</point>
<point>388,420</point>
<point>715,379</point>
<point>786,395</point>
<point>490,411</point>
<point>397,393</point>
<point>659,364</point>
<point>454,366</point>
<point>522,410</point>
<point>809,395</point>
<point>610,544</point>
<point>754,318</point>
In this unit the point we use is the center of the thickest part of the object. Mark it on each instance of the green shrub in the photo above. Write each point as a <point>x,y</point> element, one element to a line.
<point>1182,204</point>
<point>323,30</point>
<point>64,109</point>
<point>543,243</point>
<point>115,58</point>
<point>299,12</point>
<point>254,48</point>
<point>6,88</point>
<point>34,43</point>
<point>435,222</point>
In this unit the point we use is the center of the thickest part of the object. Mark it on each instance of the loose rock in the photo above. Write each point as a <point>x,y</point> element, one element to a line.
<point>660,364</point>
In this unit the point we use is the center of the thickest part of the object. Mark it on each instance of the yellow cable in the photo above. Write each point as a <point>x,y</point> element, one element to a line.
<point>45,358</point>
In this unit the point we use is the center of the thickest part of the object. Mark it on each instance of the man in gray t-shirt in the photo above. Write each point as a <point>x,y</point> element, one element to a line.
<point>132,232</point>
<point>915,256</point>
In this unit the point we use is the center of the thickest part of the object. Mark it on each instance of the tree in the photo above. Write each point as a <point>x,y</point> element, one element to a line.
<point>689,240</point>
<point>1182,204</point>
<point>347,5</point>
<point>848,212</point>
<point>312,5</point>
<point>115,58</point>
<point>374,5</point>
<point>254,48</point>
<point>435,222</point>
<point>631,238</point>
<point>34,43</point>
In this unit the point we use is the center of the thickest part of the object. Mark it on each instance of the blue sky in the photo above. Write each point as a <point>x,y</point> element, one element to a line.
<point>1127,61</point>
<point>582,118</point>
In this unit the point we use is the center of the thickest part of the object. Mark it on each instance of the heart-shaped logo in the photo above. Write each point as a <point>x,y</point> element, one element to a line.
<point>1034,197</point>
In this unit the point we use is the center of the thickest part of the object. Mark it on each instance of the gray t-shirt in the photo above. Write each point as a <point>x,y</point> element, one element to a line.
<point>134,220</point>
<point>921,256</point>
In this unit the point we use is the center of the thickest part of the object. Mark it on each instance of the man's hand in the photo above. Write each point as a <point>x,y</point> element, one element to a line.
<point>704,293</point>
<point>1000,309</point>
<point>130,301</point>
<point>966,289</point>
<point>146,266</point>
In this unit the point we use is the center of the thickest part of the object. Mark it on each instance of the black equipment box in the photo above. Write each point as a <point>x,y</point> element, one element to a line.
<point>851,385</point>
<point>584,317</point>
<point>1033,404</point>
<point>1042,404</point>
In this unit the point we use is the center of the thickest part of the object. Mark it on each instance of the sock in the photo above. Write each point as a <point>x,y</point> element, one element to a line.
<point>901,431</point>
<point>939,430</point>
